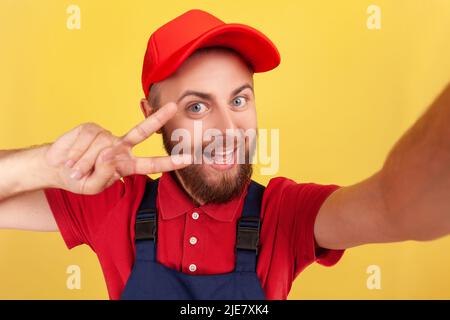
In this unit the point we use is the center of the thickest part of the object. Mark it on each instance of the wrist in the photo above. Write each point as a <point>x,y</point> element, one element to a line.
<point>45,175</point>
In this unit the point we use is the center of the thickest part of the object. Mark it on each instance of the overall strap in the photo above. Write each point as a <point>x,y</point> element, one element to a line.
<point>248,229</point>
<point>146,223</point>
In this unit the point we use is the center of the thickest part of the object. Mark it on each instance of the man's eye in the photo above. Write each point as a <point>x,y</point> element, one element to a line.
<point>197,108</point>
<point>239,102</point>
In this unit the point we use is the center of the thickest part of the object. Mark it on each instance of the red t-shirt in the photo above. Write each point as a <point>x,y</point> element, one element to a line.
<point>204,236</point>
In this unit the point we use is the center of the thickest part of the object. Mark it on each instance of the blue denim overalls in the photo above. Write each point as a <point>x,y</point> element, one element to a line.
<point>150,279</point>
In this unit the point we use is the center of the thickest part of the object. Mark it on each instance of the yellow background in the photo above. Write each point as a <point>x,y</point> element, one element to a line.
<point>341,97</point>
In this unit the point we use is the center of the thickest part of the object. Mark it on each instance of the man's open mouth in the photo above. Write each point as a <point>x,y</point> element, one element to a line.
<point>220,156</point>
<point>223,157</point>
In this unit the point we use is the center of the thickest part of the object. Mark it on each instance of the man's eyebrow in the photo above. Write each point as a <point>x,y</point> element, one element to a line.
<point>241,88</point>
<point>207,96</point>
<point>203,95</point>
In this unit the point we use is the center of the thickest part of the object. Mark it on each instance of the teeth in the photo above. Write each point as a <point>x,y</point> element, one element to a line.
<point>225,153</point>
<point>222,158</point>
<point>227,159</point>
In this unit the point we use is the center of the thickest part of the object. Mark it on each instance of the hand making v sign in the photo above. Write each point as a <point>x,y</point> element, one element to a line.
<point>89,158</point>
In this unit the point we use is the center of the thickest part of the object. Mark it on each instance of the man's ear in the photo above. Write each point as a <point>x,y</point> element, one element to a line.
<point>147,109</point>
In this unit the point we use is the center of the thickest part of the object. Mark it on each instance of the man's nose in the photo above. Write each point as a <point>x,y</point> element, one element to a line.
<point>224,119</point>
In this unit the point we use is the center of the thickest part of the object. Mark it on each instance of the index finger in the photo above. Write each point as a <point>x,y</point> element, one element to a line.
<point>150,125</point>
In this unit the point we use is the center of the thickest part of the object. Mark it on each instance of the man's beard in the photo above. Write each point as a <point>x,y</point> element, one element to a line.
<point>194,178</point>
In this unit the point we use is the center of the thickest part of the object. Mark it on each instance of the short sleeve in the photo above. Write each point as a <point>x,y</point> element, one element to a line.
<point>307,198</point>
<point>296,205</point>
<point>80,217</point>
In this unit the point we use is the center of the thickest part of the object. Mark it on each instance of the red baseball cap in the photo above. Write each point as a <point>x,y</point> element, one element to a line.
<point>171,44</point>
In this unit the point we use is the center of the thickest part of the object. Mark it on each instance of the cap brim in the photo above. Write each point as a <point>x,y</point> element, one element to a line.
<point>250,43</point>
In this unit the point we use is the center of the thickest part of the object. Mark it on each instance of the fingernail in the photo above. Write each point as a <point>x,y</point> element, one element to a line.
<point>76,174</point>
<point>69,163</point>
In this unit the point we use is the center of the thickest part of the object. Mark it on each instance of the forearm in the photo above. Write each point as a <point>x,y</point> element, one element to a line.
<point>25,170</point>
<point>415,178</point>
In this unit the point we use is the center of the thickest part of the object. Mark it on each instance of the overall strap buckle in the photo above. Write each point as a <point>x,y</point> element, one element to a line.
<point>248,233</point>
<point>146,225</point>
